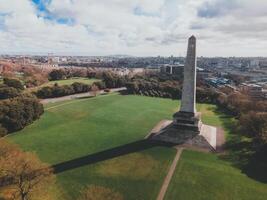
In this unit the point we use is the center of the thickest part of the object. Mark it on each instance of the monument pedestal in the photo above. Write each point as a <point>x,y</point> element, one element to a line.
<point>187,121</point>
<point>197,135</point>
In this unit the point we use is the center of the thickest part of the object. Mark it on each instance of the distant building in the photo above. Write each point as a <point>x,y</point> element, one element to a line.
<point>172,69</point>
<point>217,82</point>
<point>253,90</point>
<point>204,73</point>
<point>254,63</point>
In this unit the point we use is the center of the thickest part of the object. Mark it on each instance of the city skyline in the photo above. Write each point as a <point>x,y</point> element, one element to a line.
<point>136,27</point>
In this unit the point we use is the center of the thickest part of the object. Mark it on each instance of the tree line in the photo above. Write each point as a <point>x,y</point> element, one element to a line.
<point>158,85</point>
<point>17,109</point>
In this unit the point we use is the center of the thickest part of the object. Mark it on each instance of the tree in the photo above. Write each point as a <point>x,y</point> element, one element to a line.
<point>94,90</point>
<point>80,87</point>
<point>100,84</point>
<point>16,113</point>
<point>15,83</point>
<point>22,174</point>
<point>254,124</point>
<point>100,193</point>
<point>45,92</point>
<point>3,131</point>
<point>8,92</point>
<point>57,75</point>
<point>34,76</point>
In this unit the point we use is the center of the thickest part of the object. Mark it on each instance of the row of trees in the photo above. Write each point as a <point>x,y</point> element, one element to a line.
<point>158,86</point>
<point>64,90</point>
<point>251,114</point>
<point>113,80</point>
<point>59,74</point>
<point>17,110</point>
<point>10,88</point>
<point>109,80</point>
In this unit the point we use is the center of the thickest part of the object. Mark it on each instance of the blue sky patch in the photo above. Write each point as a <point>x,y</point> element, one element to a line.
<point>43,12</point>
<point>2,20</point>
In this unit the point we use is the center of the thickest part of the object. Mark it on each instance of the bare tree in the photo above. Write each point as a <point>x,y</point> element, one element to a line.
<point>22,174</point>
<point>94,90</point>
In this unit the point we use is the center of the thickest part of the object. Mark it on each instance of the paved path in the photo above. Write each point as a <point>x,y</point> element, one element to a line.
<point>75,96</point>
<point>71,102</point>
<point>168,178</point>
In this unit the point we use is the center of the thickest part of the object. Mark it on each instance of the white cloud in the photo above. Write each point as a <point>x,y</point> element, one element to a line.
<point>137,27</point>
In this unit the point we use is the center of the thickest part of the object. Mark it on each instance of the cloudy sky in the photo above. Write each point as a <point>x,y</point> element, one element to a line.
<point>133,27</point>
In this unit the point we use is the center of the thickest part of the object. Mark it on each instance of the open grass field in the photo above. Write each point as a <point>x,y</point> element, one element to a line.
<point>212,178</point>
<point>70,81</point>
<point>73,135</point>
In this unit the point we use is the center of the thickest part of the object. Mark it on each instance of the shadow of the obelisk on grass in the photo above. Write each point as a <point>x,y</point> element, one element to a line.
<point>108,154</point>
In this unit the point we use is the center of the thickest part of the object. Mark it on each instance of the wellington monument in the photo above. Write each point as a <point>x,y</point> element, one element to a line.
<point>186,127</point>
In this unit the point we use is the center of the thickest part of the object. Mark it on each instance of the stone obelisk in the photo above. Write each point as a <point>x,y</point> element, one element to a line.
<point>188,103</point>
<point>186,128</point>
<point>187,117</point>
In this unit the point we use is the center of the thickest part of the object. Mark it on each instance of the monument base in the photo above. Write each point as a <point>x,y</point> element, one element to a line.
<point>187,121</point>
<point>188,136</point>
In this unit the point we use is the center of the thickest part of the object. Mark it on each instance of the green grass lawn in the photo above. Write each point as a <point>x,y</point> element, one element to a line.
<point>83,127</point>
<point>211,176</point>
<point>203,176</point>
<point>77,128</point>
<point>70,81</point>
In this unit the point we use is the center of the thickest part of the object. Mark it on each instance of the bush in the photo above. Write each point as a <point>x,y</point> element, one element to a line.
<point>3,131</point>
<point>64,90</point>
<point>18,112</point>
<point>59,91</point>
<point>57,74</point>
<point>113,80</point>
<point>206,95</point>
<point>80,87</point>
<point>100,84</point>
<point>8,92</point>
<point>253,124</point>
<point>15,83</point>
<point>45,92</point>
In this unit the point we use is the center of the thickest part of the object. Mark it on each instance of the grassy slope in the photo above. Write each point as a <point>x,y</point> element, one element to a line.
<point>204,176</point>
<point>81,127</point>
<point>92,125</point>
<point>210,177</point>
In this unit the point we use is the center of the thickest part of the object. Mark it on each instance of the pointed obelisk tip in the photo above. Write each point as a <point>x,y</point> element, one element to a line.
<point>192,37</point>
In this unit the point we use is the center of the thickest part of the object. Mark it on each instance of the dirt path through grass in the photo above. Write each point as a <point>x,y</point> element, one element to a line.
<point>168,178</point>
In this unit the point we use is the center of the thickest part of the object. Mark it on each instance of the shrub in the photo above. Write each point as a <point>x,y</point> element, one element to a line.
<point>3,131</point>
<point>18,112</point>
<point>57,74</point>
<point>8,92</point>
<point>100,84</point>
<point>15,83</point>
<point>45,92</point>
<point>253,124</point>
<point>64,90</point>
<point>59,91</point>
<point>80,87</point>
<point>113,80</point>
